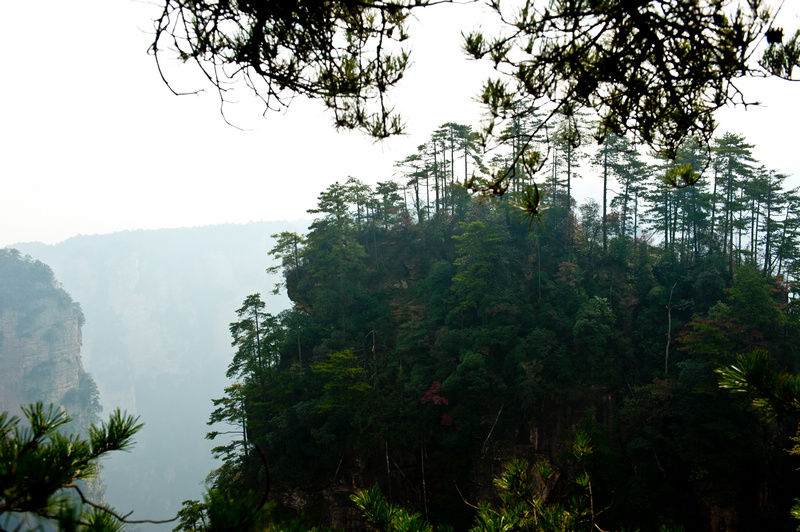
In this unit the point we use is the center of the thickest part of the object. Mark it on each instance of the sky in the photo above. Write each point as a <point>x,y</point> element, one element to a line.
<point>93,142</point>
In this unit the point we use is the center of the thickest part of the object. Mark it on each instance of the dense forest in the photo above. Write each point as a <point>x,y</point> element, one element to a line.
<point>437,337</point>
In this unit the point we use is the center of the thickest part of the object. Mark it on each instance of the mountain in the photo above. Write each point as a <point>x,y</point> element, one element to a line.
<point>157,306</point>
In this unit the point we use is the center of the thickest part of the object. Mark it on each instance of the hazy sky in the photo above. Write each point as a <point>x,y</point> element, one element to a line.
<point>93,142</point>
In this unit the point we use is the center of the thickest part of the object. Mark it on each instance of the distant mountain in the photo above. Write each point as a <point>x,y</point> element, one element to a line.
<point>157,305</point>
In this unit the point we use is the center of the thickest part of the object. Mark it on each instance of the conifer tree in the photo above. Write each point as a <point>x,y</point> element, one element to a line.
<point>734,162</point>
<point>41,469</point>
<point>606,159</point>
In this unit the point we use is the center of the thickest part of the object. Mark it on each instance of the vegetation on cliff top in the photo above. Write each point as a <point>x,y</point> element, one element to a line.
<point>434,339</point>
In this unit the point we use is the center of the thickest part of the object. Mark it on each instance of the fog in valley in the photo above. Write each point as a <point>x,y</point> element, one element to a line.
<point>157,305</point>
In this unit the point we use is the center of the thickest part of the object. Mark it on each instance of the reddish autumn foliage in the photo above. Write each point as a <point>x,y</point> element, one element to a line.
<point>432,395</point>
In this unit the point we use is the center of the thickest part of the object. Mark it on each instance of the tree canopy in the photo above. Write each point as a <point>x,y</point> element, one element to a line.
<point>343,53</point>
<point>656,69</point>
<point>434,340</point>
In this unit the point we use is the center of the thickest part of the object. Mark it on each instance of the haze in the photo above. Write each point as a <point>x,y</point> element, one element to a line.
<point>94,142</point>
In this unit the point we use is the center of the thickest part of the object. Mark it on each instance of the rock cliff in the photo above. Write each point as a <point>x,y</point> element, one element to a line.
<point>40,337</point>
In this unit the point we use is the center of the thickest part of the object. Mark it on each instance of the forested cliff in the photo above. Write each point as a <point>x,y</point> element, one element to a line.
<point>435,340</point>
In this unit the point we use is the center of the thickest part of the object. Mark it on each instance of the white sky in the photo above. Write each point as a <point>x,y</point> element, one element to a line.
<point>93,142</point>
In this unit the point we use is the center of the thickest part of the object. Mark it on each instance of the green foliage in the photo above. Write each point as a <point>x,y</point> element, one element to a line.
<point>780,57</point>
<point>25,282</point>
<point>338,53</point>
<point>256,336</point>
<point>384,517</point>
<point>553,55</point>
<point>230,409</point>
<point>751,317</point>
<point>593,334</point>
<point>246,512</point>
<point>523,503</point>
<point>527,205</point>
<point>470,376</point>
<point>231,514</point>
<point>753,302</point>
<point>477,264</point>
<point>288,248</point>
<point>431,350</point>
<point>523,507</point>
<point>681,176</point>
<point>192,516</point>
<point>84,399</point>
<point>344,385</point>
<point>776,392</point>
<point>638,70</point>
<point>40,466</point>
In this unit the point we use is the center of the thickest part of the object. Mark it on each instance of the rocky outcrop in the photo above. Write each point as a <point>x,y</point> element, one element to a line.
<point>40,336</point>
<point>40,354</point>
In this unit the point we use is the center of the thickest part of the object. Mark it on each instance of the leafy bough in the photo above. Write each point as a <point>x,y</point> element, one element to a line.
<point>41,468</point>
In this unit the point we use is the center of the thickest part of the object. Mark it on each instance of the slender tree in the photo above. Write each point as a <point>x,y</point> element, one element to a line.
<point>733,159</point>
<point>606,159</point>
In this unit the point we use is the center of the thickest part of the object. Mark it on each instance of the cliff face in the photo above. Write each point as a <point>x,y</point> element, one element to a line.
<point>40,348</point>
<point>40,353</point>
<point>40,336</point>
